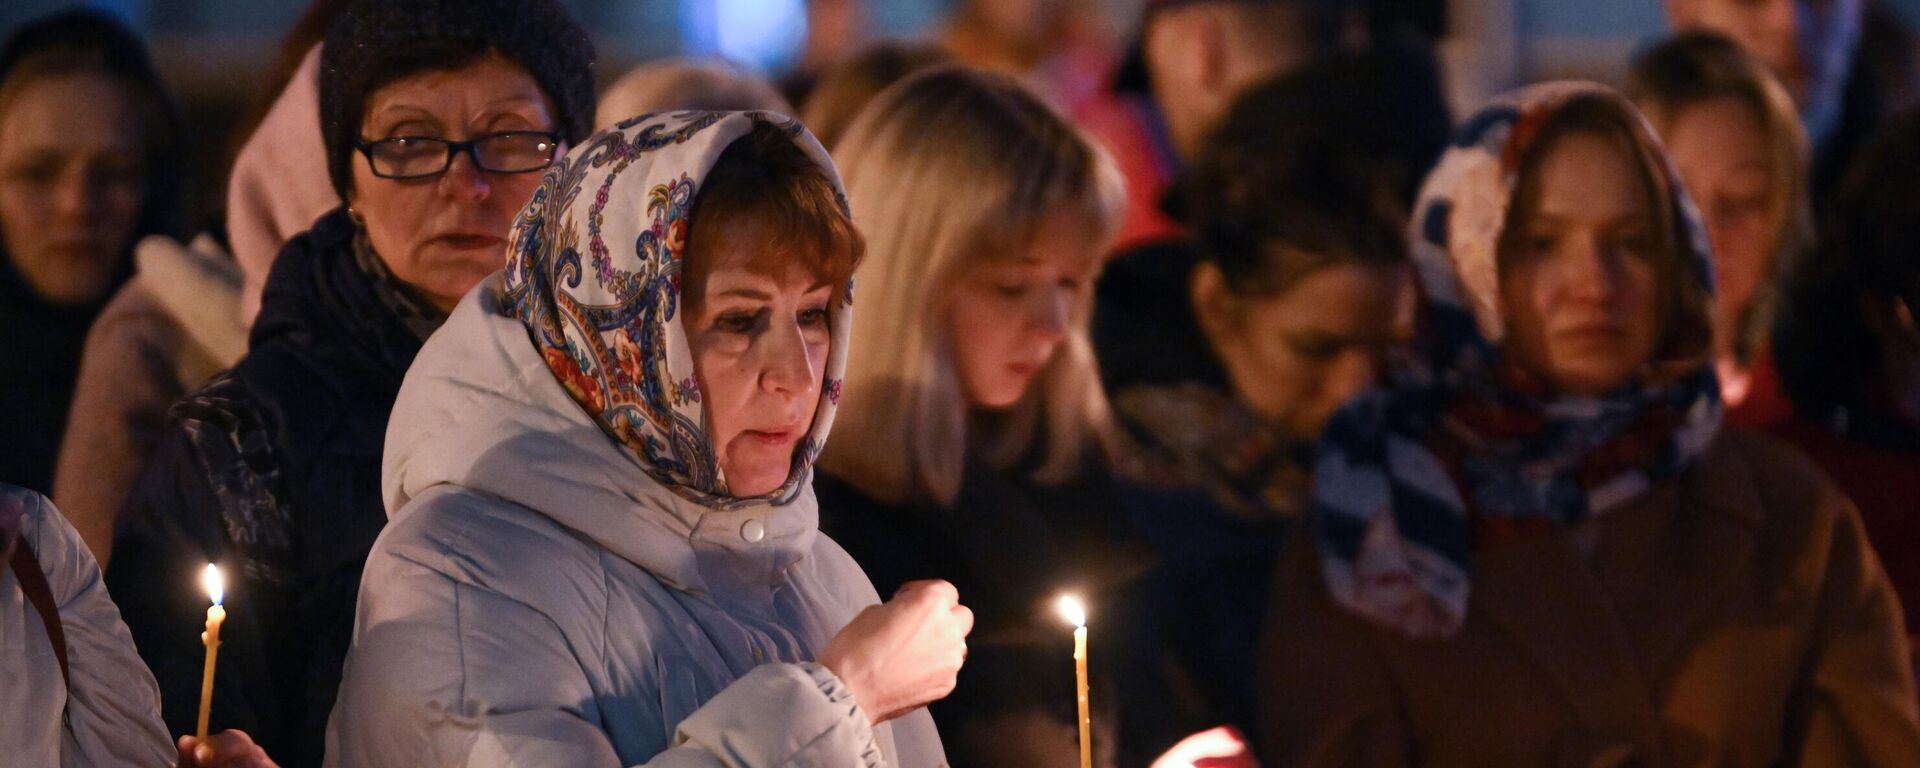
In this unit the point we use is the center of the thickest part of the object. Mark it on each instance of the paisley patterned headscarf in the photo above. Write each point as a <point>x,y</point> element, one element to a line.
<point>595,272</point>
<point>1460,449</point>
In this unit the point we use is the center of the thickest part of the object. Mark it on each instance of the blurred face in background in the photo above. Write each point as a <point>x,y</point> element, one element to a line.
<point>442,234</point>
<point>1802,41</point>
<point>1021,22</point>
<point>1009,316</point>
<point>72,182</point>
<point>835,30</point>
<point>1720,148</point>
<point>1295,357</point>
<point>1199,57</point>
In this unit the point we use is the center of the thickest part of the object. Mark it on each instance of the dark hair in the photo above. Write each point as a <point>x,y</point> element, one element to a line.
<point>846,87</point>
<point>1292,181</point>
<point>1011,674</point>
<point>1688,328</point>
<point>306,32</point>
<point>1825,346</point>
<point>1321,25</point>
<point>1694,67</point>
<point>766,189</point>
<point>84,40</point>
<point>379,41</point>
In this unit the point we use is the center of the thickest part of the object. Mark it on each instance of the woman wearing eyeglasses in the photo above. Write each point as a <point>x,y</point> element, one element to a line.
<point>437,116</point>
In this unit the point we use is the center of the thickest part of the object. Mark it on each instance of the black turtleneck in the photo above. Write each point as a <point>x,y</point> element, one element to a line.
<point>40,346</point>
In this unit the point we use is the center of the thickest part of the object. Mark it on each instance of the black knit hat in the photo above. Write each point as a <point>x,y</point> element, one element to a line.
<point>379,41</point>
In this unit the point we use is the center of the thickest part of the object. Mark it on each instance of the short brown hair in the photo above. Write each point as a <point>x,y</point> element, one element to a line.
<point>766,190</point>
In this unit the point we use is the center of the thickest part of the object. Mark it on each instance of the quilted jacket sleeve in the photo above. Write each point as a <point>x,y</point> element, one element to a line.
<point>112,705</point>
<point>447,673</point>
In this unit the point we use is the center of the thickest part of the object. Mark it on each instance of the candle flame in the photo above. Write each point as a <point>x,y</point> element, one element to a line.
<point>1073,611</point>
<point>216,586</point>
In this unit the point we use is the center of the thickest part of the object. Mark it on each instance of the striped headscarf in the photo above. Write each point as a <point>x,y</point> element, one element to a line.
<point>1460,448</point>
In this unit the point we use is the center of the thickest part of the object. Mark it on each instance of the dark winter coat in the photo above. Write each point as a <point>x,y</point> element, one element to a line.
<point>1010,546</point>
<point>37,372</point>
<point>274,473</point>
<point>1214,495</point>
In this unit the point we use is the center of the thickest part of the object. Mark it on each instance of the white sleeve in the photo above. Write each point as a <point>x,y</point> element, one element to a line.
<point>444,673</point>
<point>822,724</point>
<point>113,704</point>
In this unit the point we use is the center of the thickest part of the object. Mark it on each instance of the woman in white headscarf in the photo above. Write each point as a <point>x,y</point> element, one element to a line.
<point>603,548</point>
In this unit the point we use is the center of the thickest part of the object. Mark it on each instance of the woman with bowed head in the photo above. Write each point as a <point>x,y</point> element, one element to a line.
<point>1736,140</point>
<point>89,164</point>
<point>973,443</point>
<point>604,548</point>
<point>437,117</point>
<point>1538,545</point>
<point>1225,353</point>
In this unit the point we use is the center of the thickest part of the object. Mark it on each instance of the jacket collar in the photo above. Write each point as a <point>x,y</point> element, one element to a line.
<point>318,297</point>
<point>1674,558</point>
<point>481,410</point>
<point>1609,627</point>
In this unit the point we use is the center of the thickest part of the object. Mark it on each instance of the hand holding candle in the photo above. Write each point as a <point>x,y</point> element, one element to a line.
<point>226,749</point>
<point>216,615</point>
<point>1076,614</point>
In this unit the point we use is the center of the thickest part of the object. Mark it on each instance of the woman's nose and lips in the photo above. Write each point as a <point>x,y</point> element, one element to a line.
<point>442,232</point>
<point>1008,316</point>
<point>1580,274</point>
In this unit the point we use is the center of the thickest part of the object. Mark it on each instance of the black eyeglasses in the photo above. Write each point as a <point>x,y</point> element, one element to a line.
<point>419,157</point>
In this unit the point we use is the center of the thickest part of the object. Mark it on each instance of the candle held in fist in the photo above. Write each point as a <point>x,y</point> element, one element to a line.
<point>216,615</point>
<point>1076,614</point>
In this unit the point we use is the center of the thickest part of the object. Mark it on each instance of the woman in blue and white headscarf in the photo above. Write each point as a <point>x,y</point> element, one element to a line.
<point>1538,546</point>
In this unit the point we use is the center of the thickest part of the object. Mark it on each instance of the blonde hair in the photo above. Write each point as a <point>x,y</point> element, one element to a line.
<point>945,170</point>
<point>1699,67</point>
<point>847,87</point>
<point>674,83</point>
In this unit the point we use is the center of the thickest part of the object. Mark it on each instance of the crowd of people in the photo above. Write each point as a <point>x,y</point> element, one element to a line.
<point>1581,427</point>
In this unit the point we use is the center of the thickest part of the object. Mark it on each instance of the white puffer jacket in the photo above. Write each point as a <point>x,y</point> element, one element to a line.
<point>538,600</point>
<point>109,714</point>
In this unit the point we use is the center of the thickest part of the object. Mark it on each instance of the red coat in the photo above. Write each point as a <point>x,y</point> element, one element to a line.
<point>1884,484</point>
<point>1130,128</point>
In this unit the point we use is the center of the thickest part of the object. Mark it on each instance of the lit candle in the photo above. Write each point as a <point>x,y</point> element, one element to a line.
<point>216,589</point>
<point>1076,614</point>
